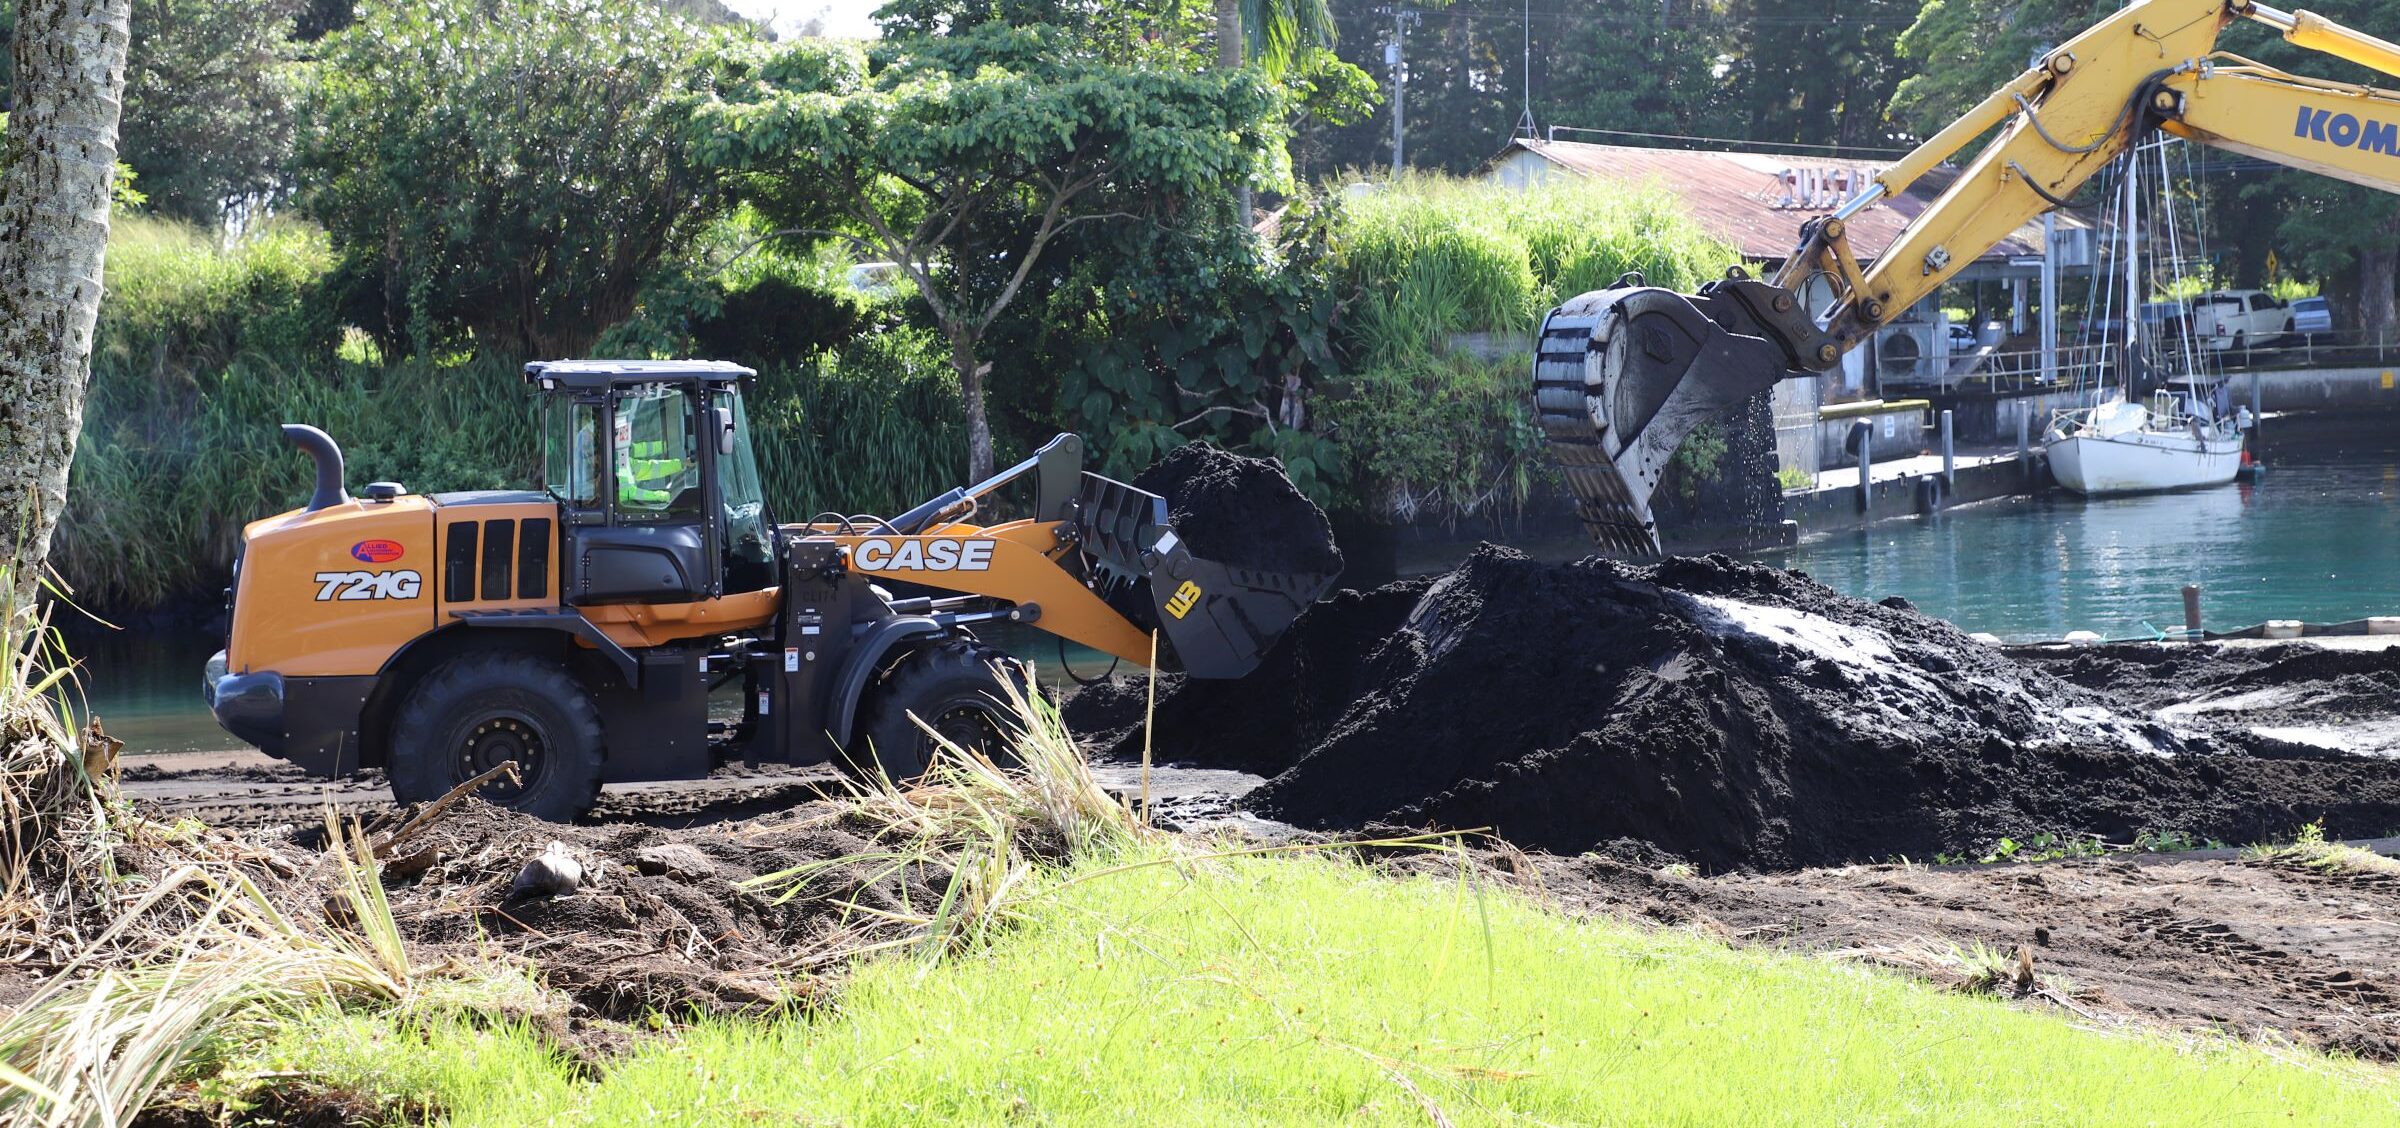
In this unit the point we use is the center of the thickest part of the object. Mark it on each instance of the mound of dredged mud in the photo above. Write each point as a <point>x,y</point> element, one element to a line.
<point>2297,696</point>
<point>1241,511</point>
<point>1731,714</point>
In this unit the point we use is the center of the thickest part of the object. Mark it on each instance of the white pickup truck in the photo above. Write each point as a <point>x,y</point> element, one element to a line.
<point>2240,319</point>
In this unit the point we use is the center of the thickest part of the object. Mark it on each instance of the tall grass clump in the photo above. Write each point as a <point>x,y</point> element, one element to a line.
<point>206,346</point>
<point>57,826</point>
<point>1447,280</point>
<point>991,830</point>
<point>179,302</point>
<point>160,491</point>
<point>873,427</point>
<point>95,1044</point>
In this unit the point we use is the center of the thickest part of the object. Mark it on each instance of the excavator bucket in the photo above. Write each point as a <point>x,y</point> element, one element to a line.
<point>1622,375</point>
<point>1214,618</point>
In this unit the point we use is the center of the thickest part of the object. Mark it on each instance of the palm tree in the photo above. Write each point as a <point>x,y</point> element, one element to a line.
<point>56,172</point>
<point>1279,31</point>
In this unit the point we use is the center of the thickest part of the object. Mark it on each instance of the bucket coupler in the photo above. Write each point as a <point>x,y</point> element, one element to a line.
<point>1621,377</point>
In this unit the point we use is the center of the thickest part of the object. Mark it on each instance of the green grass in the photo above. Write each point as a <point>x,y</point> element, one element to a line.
<point>1307,991</point>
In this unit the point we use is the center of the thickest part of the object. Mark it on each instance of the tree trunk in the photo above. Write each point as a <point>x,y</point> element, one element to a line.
<point>970,385</point>
<point>2376,263</point>
<point>55,176</point>
<point>1229,57</point>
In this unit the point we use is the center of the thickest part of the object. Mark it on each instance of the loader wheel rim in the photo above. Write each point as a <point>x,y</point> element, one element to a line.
<point>969,725</point>
<point>496,739</point>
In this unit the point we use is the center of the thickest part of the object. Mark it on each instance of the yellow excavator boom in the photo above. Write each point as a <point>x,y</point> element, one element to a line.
<point>1622,375</point>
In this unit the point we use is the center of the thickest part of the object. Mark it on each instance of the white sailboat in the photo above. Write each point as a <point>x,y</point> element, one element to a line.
<point>2186,435</point>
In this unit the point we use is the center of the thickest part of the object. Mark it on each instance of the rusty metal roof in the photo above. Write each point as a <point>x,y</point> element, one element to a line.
<point>1756,201</point>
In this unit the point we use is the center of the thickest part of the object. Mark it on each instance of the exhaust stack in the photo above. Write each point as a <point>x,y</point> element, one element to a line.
<point>328,457</point>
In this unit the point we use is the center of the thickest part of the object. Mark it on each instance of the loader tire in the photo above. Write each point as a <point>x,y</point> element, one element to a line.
<point>955,686</point>
<point>475,711</point>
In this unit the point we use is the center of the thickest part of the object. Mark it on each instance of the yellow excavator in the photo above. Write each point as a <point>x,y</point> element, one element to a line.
<point>1622,375</point>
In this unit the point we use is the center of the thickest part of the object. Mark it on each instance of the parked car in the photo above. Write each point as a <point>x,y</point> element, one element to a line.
<point>2240,319</point>
<point>1962,337</point>
<point>2312,316</point>
<point>2161,320</point>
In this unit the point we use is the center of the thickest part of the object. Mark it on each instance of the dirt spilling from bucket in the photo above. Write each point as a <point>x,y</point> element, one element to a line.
<point>1241,511</point>
<point>1731,714</point>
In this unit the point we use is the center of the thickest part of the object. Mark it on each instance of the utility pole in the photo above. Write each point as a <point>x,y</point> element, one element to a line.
<point>1396,58</point>
<point>1525,126</point>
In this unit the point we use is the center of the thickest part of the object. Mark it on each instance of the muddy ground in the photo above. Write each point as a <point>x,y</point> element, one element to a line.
<point>1708,750</point>
<point>2204,940</point>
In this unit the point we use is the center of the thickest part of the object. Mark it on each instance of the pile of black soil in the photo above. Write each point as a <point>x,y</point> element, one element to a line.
<point>1261,723</point>
<point>2286,694</point>
<point>1241,512</point>
<point>1728,713</point>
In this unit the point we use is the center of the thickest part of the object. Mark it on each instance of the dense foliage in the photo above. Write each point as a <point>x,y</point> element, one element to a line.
<point>962,158</point>
<point>510,169</point>
<point>208,118</point>
<point>1004,219</point>
<point>1443,282</point>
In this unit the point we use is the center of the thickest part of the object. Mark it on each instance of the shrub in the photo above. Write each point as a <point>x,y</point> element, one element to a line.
<point>1446,281</point>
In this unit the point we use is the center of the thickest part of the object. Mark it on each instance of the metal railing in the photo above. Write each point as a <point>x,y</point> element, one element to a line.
<point>2017,371</point>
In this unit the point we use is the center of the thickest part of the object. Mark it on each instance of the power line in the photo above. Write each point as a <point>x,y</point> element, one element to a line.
<point>1837,149</point>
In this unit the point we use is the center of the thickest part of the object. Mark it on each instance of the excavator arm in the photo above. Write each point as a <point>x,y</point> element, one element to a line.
<point>1622,375</point>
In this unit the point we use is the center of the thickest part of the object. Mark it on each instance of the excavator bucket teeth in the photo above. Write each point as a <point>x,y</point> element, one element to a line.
<point>1620,378</point>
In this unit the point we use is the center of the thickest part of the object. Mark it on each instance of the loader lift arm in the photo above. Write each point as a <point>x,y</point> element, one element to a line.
<point>1622,375</point>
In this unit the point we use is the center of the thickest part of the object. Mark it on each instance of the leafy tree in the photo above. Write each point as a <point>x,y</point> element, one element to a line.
<point>1650,68</point>
<point>1962,50</point>
<point>1816,72</point>
<point>1276,31</point>
<point>505,168</point>
<point>963,158</point>
<point>208,102</point>
<point>55,170</point>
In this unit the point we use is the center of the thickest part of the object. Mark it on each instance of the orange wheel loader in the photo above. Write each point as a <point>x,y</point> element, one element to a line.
<point>580,629</point>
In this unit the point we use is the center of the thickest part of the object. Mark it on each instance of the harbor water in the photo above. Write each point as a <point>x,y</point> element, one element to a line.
<point>2316,537</point>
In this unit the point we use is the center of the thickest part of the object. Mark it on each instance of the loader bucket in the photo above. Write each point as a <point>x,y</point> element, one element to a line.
<point>1214,619</point>
<point>1620,378</point>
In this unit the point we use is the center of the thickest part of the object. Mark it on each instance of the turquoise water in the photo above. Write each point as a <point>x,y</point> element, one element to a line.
<point>2316,538</point>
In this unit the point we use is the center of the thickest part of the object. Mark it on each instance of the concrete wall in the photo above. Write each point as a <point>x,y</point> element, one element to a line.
<point>1796,439</point>
<point>1898,434</point>
<point>1985,418</point>
<point>2321,389</point>
<point>1831,508</point>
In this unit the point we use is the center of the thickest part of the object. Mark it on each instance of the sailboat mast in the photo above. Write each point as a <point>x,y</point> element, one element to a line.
<point>2131,254</point>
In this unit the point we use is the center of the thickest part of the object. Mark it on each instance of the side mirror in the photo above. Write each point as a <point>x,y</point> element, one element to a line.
<point>724,430</point>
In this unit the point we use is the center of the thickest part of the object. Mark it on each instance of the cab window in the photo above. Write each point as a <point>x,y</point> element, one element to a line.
<point>571,465</point>
<point>749,536</point>
<point>654,455</point>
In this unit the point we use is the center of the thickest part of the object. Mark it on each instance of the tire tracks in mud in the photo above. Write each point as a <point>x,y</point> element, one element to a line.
<point>2241,946</point>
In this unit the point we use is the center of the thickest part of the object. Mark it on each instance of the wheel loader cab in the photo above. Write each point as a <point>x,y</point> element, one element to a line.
<point>656,483</point>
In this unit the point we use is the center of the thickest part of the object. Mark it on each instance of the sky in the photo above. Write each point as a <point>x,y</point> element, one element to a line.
<point>849,19</point>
